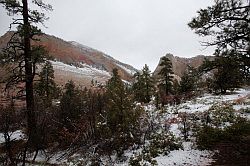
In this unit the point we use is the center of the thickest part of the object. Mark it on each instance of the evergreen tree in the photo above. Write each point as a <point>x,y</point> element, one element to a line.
<point>46,87</point>
<point>166,74</point>
<point>176,86</point>
<point>148,83</point>
<point>143,88</point>
<point>24,56</point>
<point>122,117</point>
<point>138,87</point>
<point>227,74</point>
<point>188,81</point>
<point>227,21</point>
<point>70,105</point>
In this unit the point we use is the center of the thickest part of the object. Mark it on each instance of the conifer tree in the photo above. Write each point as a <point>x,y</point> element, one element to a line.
<point>166,74</point>
<point>143,86</point>
<point>176,86</point>
<point>148,83</point>
<point>227,74</point>
<point>188,80</point>
<point>228,23</point>
<point>24,56</point>
<point>70,105</point>
<point>46,87</point>
<point>122,121</point>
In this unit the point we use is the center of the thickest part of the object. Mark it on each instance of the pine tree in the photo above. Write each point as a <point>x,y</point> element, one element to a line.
<point>138,87</point>
<point>176,86</point>
<point>122,121</point>
<point>166,74</point>
<point>143,87</point>
<point>227,75</point>
<point>148,83</point>
<point>70,105</point>
<point>227,21</point>
<point>188,80</point>
<point>24,56</point>
<point>46,87</point>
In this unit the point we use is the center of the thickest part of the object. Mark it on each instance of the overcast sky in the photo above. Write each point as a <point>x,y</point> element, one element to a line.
<point>136,32</point>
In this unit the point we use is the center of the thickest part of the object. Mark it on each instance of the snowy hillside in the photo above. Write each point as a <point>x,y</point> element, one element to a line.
<point>168,119</point>
<point>85,70</point>
<point>82,75</point>
<point>77,54</point>
<point>127,69</point>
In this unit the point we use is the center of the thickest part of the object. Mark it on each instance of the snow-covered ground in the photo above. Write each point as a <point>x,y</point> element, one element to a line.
<point>189,155</point>
<point>14,136</point>
<point>203,103</point>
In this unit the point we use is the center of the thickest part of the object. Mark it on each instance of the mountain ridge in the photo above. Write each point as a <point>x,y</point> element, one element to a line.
<point>78,56</point>
<point>180,64</point>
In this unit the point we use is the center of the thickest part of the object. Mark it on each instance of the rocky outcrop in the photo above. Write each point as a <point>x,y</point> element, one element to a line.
<point>180,64</point>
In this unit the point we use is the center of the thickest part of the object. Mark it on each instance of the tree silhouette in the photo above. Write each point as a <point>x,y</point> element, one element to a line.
<point>23,56</point>
<point>166,74</point>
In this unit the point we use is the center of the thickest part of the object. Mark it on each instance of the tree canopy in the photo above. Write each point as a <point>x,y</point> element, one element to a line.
<point>228,22</point>
<point>166,74</point>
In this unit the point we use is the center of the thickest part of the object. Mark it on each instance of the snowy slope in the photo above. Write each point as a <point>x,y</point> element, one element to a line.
<point>104,59</point>
<point>85,70</point>
<point>83,75</point>
<point>128,70</point>
<point>189,155</point>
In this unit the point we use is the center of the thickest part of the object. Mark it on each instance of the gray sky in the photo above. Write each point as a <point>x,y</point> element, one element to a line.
<point>136,32</point>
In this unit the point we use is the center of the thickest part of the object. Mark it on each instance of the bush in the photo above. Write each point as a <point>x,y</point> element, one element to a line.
<point>159,143</point>
<point>208,137</point>
<point>220,116</point>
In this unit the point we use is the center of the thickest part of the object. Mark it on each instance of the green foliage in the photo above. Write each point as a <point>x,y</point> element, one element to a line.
<point>120,122</point>
<point>227,21</point>
<point>208,137</point>
<point>220,115</point>
<point>221,125</point>
<point>46,88</point>
<point>176,87</point>
<point>70,104</point>
<point>162,143</point>
<point>166,74</point>
<point>227,74</point>
<point>189,80</point>
<point>143,86</point>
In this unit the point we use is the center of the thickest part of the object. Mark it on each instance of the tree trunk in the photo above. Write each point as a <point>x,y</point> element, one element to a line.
<point>31,120</point>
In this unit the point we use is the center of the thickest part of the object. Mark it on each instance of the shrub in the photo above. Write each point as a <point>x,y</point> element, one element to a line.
<point>208,137</point>
<point>159,143</point>
<point>220,115</point>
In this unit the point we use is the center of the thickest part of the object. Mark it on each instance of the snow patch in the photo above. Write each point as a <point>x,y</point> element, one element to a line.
<point>14,136</point>
<point>187,156</point>
<point>86,70</point>
<point>130,71</point>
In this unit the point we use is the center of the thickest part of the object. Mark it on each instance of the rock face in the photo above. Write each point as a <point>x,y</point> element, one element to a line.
<point>180,64</point>
<point>77,62</point>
